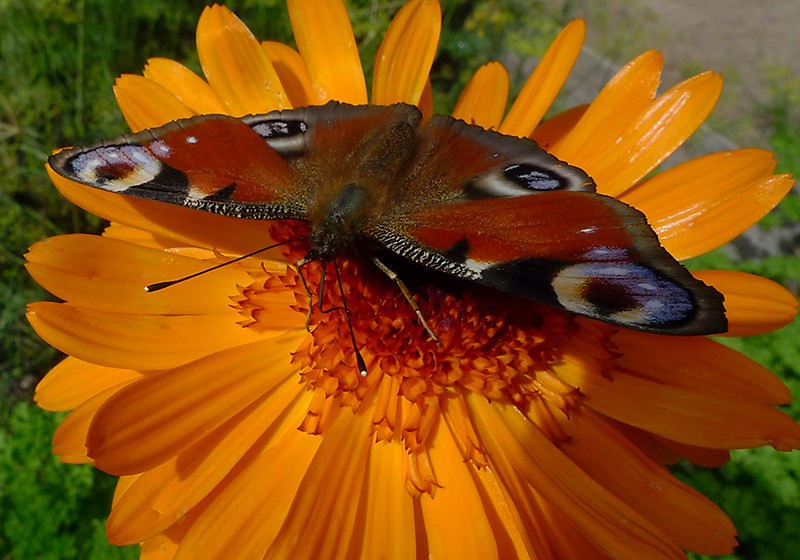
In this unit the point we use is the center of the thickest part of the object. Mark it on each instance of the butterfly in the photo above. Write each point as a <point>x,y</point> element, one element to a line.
<point>453,197</point>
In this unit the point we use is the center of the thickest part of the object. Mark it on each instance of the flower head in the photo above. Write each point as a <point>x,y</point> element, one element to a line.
<point>527,432</point>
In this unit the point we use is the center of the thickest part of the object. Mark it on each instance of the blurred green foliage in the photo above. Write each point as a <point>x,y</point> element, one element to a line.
<point>783,115</point>
<point>59,60</point>
<point>50,511</point>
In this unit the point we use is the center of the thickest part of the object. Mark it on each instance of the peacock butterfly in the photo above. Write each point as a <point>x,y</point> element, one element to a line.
<point>454,197</point>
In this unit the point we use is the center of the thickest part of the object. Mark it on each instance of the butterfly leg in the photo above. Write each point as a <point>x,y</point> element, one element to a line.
<point>360,363</point>
<point>304,262</point>
<point>299,264</point>
<point>362,366</point>
<point>403,288</point>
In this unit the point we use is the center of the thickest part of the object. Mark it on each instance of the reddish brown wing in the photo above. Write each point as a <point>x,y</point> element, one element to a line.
<point>271,166</point>
<point>457,161</point>
<point>503,212</point>
<point>585,253</point>
<point>213,162</point>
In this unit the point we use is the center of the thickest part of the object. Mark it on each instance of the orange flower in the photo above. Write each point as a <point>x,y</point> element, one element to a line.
<point>530,433</point>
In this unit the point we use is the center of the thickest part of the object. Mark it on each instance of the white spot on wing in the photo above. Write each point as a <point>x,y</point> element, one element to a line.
<point>191,139</point>
<point>161,149</point>
<point>194,192</point>
<point>476,265</point>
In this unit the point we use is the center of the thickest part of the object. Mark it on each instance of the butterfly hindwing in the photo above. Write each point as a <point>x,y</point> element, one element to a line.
<point>583,252</point>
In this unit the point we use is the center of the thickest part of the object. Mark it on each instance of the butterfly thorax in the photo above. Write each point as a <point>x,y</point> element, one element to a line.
<point>341,224</point>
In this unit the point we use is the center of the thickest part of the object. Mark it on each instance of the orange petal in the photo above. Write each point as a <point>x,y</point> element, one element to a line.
<point>518,448</point>
<point>162,414</point>
<point>162,494</point>
<point>292,71</point>
<point>160,547</point>
<point>699,205</point>
<point>698,364</point>
<point>703,456</point>
<point>235,65</point>
<point>316,498</point>
<point>629,93</point>
<point>146,104</point>
<point>143,342</point>
<point>247,512</point>
<point>688,517</point>
<point>515,538</point>
<point>189,88</point>
<point>146,239</point>
<point>325,40</point>
<point>457,503</point>
<point>701,418</point>
<point>166,545</point>
<point>654,135</point>
<point>110,275</point>
<point>74,381</point>
<point>546,81</point>
<point>168,220</point>
<point>563,536</point>
<point>390,510</point>
<point>647,442</point>
<point>69,441</point>
<point>753,304</point>
<point>555,128</point>
<point>483,101</point>
<point>124,483</point>
<point>426,102</point>
<point>403,61</point>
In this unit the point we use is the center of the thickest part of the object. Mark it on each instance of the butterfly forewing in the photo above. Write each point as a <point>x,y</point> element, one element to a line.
<point>213,163</point>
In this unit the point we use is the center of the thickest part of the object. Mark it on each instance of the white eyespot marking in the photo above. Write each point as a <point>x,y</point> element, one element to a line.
<point>270,129</point>
<point>191,139</point>
<point>628,293</point>
<point>531,177</point>
<point>161,149</point>
<point>590,229</point>
<point>116,168</point>
<point>287,137</point>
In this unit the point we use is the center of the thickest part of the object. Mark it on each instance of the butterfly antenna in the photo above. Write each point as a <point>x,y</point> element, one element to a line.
<point>161,285</point>
<point>403,288</point>
<point>362,366</point>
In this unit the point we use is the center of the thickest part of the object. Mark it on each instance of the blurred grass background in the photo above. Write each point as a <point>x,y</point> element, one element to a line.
<point>58,60</point>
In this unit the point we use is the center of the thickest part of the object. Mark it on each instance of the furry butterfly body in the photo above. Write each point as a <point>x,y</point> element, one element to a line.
<point>475,204</point>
